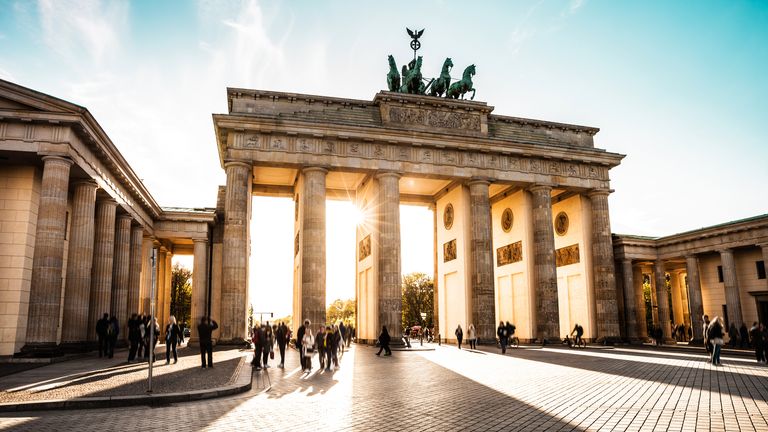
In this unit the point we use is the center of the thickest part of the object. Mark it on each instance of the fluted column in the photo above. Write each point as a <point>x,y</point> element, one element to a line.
<point>134,271</point>
<point>630,310</point>
<point>76,295</point>
<point>103,258</point>
<point>121,274</point>
<point>235,257</point>
<point>199,284</point>
<point>146,275</point>
<point>167,284</point>
<point>764,247</point>
<point>160,292</point>
<point>48,258</point>
<point>637,280</point>
<point>390,291</point>
<point>694,298</point>
<point>545,267</point>
<point>606,305</point>
<point>662,299</point>
<point>732,299</point>
<point>312,198</point>
<point>481,264</point>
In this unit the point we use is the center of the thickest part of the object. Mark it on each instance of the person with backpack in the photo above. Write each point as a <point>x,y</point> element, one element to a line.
<point>501,333</point>
<point>281,337</point>
<point>204,331</point>
<point>384,340</point>
<point>579,331</point>
<point>715,334</point>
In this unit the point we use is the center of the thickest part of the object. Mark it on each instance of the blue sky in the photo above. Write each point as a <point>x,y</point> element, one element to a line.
<point>679,87</point>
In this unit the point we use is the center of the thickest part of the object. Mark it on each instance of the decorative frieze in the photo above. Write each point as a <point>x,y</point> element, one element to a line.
<point>364,248</point>
<point>449,251</point>
<point>567,255</point>
<point>434,119</point>
<point>509,254</point>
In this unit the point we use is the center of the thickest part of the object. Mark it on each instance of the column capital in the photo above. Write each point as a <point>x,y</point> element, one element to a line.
<point>85,182</point>
<point>388,174</point>
<point>691,256</point>
<point>599,192</point>
<point>230,163</point>
<point>106,201</point>
<point>58,158</point>
<point>722,251</point>
<point>537,187</point>
<point>124,216</point>
<point>199,240</point>
<point>308,169</point>
<point>478,180</point>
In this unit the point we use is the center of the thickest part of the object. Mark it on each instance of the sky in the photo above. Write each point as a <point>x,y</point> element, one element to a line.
<point>678,87</point>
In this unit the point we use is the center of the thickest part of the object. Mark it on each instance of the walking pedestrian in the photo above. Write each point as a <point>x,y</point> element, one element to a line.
<point>134,334</point>
<point>744,336</point>
<point>113,328</point>
<point>501,333</point>
<point>384,342</point>
<point>715,335</point>
<point>300,333</point>
<point>101,334</point>
<point>257,337</point>
<point>733,335</point>
<point>320,345</point>
<point>204,331</point>
<point>142,331</point>
<point>472,336</point>
<point>267,346</point>
<point>756,335</point>
<point>307,346</point>
<point>281,337</point>
<point>150,338</point>
<point>707,344</point>
<point>329,347</point>
<point>459,335</point>
<point>172,337</point>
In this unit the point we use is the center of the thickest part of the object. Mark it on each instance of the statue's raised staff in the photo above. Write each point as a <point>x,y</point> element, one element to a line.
<point>459,88</point>
<point>441,84</point>
<point>393,77</point>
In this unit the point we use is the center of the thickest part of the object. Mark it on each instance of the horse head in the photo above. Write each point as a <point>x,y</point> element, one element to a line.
<point>469,71</point>
<point>392,63</point>
<point>447,64</point>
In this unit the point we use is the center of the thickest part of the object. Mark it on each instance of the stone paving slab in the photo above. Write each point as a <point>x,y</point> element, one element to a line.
<point>446,389</point>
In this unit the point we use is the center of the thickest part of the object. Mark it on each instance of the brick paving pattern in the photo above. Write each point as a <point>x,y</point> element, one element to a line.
<point>447,389</point>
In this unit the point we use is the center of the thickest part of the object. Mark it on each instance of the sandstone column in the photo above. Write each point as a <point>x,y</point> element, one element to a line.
<point>630,296</point>
<point>48,258</point>
<point>545,267</point>
<point>642,326</point>
<point>199,285</point>
<point>606,306</point>
<point>481,261</point>
<point>234,289</point>
<point>162,318</point>
<point>312,198</point>
<point>121,274</point>
<point>732,300</point>
<point>134,270</point>
<point>103,257</point>
<point>694,297</point>
<point>390,279</point>
<point>76,295</point>
<point>146,275</point>
<point>663,299</point>
<point>764,247</point>
<point>168,273</point>
<point>677,300</point>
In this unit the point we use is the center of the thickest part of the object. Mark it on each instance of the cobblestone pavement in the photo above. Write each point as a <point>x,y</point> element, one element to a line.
<point>448,389</point>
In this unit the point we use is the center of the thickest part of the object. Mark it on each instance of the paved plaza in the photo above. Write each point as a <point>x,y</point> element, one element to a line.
<point>447,389</point>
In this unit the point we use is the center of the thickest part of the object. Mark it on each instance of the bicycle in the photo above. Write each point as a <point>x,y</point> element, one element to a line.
<point>572,343</point>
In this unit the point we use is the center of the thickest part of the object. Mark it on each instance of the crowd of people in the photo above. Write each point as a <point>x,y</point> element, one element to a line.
<point>328,342</point>
<point>714,333</point>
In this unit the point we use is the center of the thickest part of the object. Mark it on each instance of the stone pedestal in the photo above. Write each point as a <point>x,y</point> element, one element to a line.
<point>545,266</point>
<point>481,262</point>
<point>103,258</point>
<point>48,258</point>
<point>199,285</point>
<point>694,298</point>
<point>662,299</point>
<point>121,274</point>
<point>630,308</point>
<point>134,271</point>
<point>234,289</point>
<point>732,300</point>
<point>312,200</point>
<point>76,295</point>
<point>606,306</point>
<point>390,280</point>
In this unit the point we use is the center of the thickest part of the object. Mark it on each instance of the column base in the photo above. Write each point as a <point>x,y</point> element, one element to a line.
<point>76,347</point>
<point>48,349</point>
<point>608,340</point>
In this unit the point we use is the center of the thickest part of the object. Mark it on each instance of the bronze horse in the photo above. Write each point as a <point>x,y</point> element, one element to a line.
<point>441,84</point>
<point>459,88</point>
<point>393,77</point>
<point>412,78</point>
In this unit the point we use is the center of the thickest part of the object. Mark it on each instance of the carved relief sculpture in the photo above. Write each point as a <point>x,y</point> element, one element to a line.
<point>507,218</point>
<point>509,254</point>
<point>448,216</point>
<point>561,224</point>
<point>364,248</point>
<point>449,251</point>
<point>296,245</point>
<point>567,255</point>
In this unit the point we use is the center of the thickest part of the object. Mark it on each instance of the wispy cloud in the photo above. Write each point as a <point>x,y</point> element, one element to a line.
<point>90,27</point>
<point>573,7</point>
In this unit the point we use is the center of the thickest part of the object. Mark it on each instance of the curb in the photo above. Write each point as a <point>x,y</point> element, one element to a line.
<point>242,384</point>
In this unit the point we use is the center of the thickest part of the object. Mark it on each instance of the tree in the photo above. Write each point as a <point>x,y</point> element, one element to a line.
<point>181,294</point>
<point>418,297</point>
<point>341,310</point>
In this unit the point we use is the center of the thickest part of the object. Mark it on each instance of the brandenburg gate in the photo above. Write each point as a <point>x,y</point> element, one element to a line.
<point>522,229</point>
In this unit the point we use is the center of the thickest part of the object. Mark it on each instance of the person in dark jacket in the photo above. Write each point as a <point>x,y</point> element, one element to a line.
<point>299,342</point>
<point>204,330</point>
<point>101,334</point>
<point>459,335</point>
<point>320,345</point>
<point>267,344</point>
<point>113,329</point>
<point>257,337</point>
<point>744,336</point>
<point>733,335</point>
<point>501,333</point>
<point>384,342</point>
<point>173,337</point>
<point>281,337</point>
<point>134,335</point>
<point>756,336</point>
<point>716,334</point>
